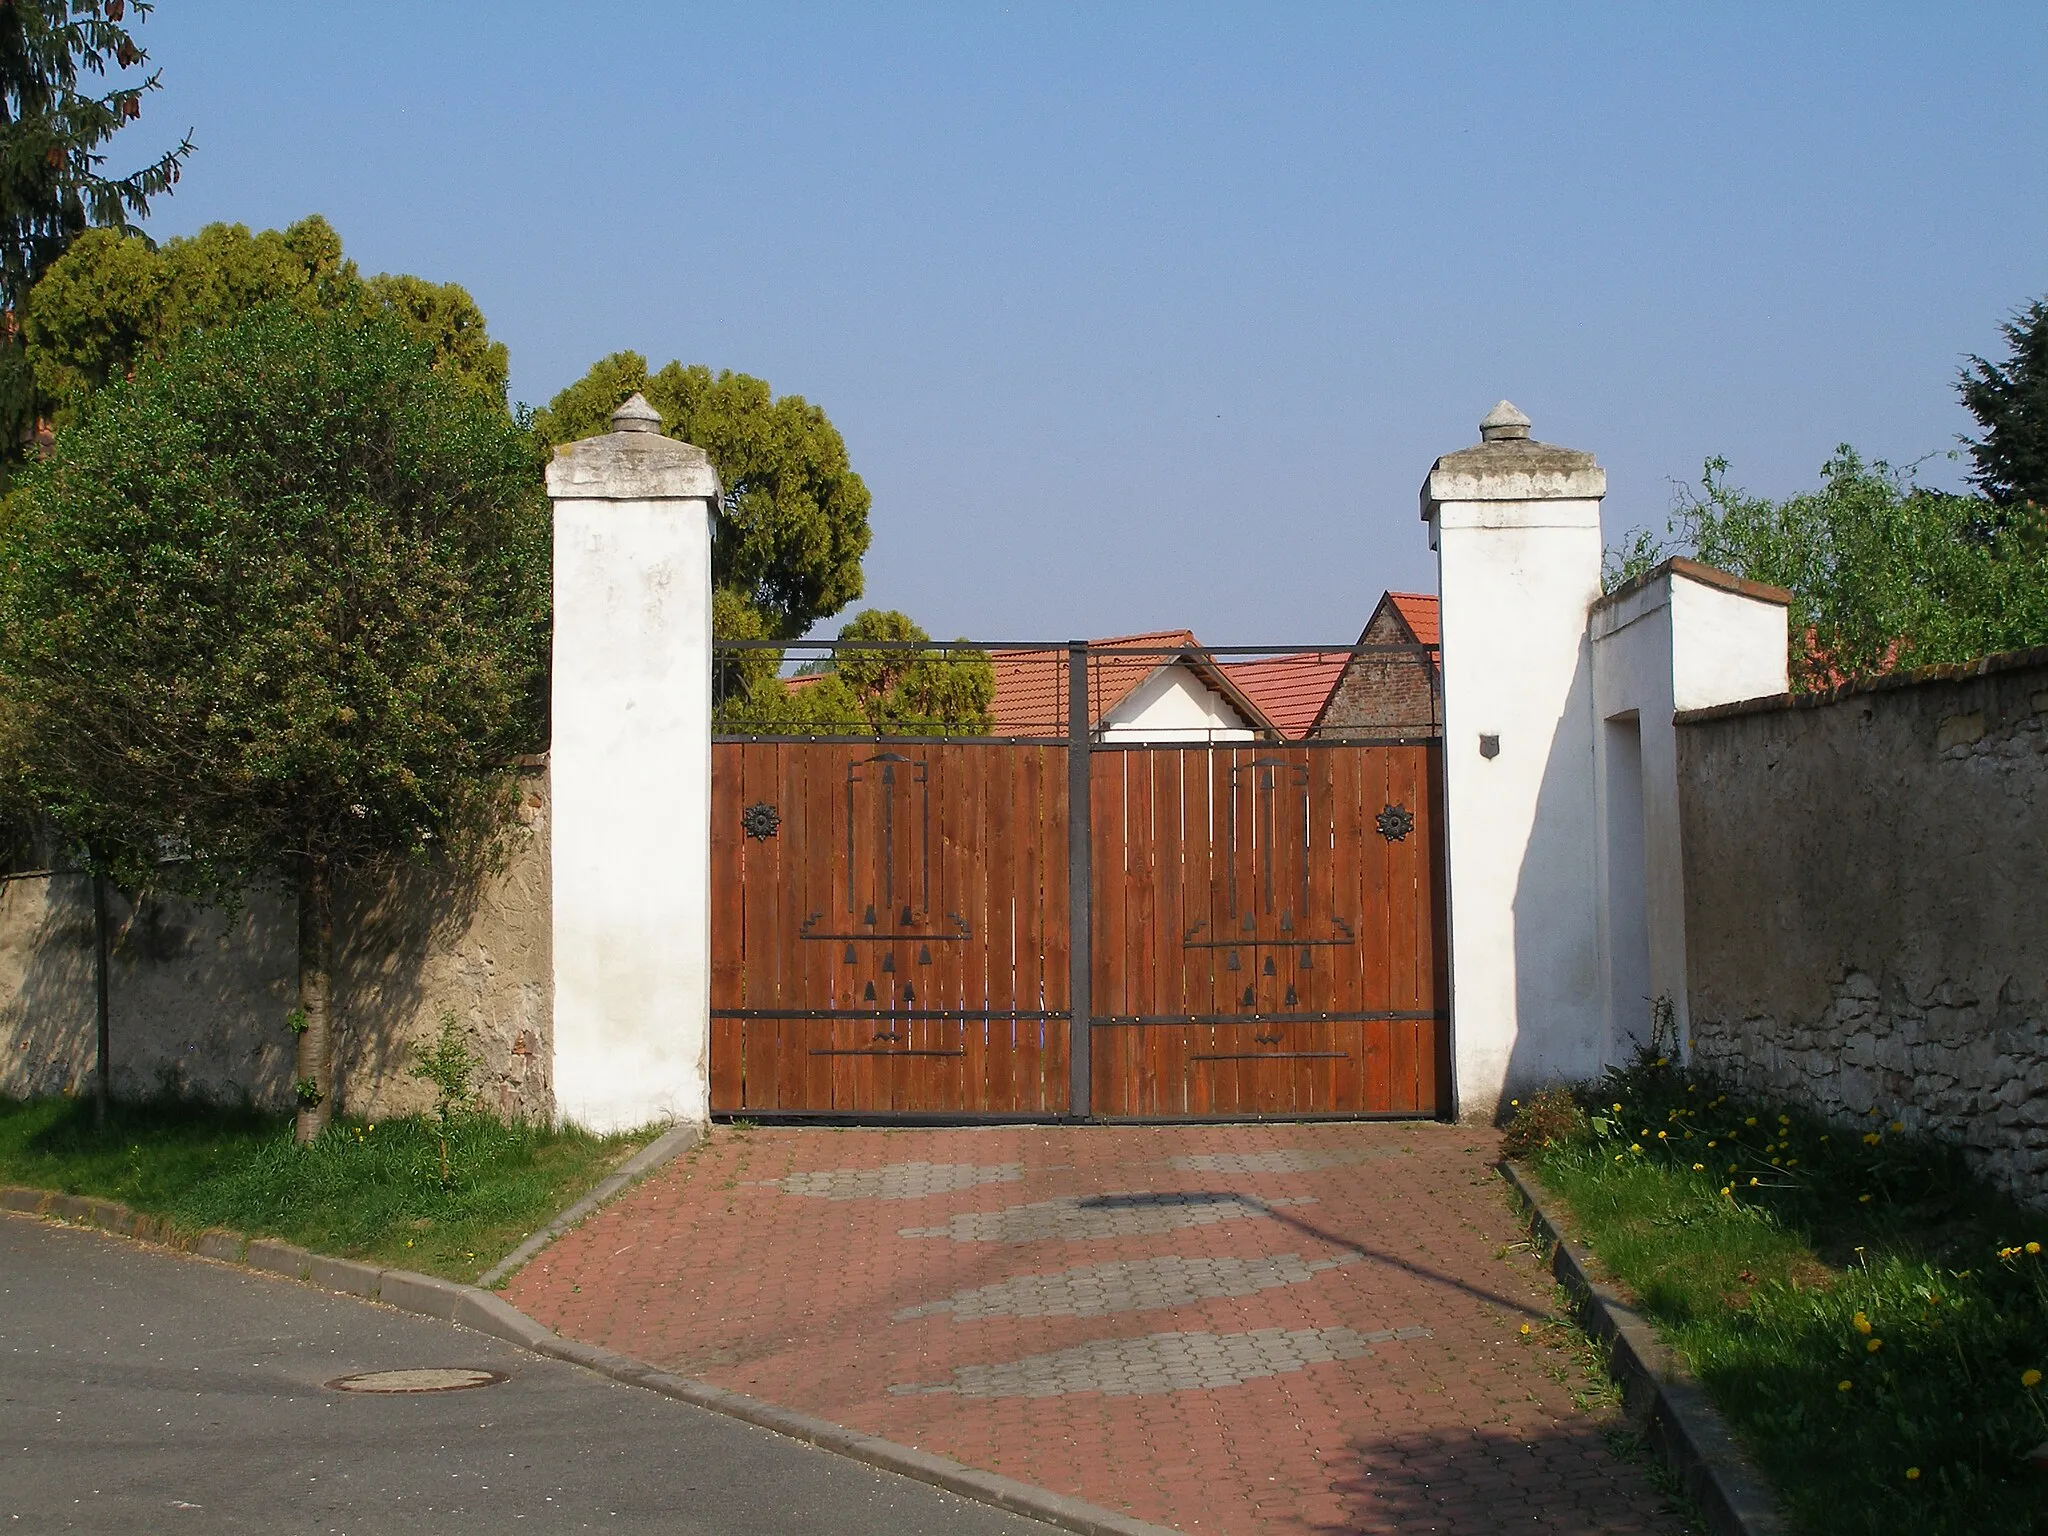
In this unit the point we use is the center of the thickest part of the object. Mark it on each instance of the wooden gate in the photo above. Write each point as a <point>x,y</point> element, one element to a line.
<point>890,930</point>
<point>1266,931</point>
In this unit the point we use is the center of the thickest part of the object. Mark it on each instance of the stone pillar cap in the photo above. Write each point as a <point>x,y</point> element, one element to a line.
<point>1503,421</point>
<point>634,461</point>
<point>1507,464</point>
<point>636,415</point>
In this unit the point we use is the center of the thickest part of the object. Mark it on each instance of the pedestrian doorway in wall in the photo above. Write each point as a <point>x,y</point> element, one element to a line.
<point>1201,911</point>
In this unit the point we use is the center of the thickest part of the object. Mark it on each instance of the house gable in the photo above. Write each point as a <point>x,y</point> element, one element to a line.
<point>1389,693</point>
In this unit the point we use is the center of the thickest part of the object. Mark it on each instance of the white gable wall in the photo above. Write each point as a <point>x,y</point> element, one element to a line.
<point>1174,705</point>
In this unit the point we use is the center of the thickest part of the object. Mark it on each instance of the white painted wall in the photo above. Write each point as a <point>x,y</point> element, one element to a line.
<point>1516,527</point>
<point>630,765</point>
<point>1680,639</point>
<point>1174,704</point>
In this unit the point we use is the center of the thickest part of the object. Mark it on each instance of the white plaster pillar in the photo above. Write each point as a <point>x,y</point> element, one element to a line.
<point>630,775</point>
<point>1516,527</point>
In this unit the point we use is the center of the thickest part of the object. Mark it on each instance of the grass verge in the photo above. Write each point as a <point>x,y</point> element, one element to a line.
<point>370,1191</point>
<point>1871,1319</point>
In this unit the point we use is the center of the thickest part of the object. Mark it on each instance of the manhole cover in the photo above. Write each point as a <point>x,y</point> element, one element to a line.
<point>436,1379</point>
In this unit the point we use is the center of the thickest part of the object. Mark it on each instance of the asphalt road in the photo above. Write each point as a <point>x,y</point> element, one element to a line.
<point>142,1391</point>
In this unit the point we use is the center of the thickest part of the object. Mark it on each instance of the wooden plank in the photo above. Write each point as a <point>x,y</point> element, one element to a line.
<point>759,937</point>
<point>1110,1089</point>
<point>1345,980</point>
<point>1375,991</point>
<point>805,1074</point>
<point>1049,1093</point>
<point>993,1038</point>
<point>1014,1053</point>
<point>1407,886</point>
<point>1141,992</point>
<point>727,930</point>
<point>1166,1057</point>
<point>952,1083</point>
<point>805,865</point>
<point>1437,909</point>
<point>1316,1081</point>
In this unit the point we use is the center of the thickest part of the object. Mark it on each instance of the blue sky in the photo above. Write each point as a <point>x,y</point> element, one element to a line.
<point>1137,316</point>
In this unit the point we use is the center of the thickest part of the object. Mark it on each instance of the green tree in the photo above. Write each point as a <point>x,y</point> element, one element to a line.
<point>2010,402</point>
<point>115,298</point>
<point>277,608</point>
<point>794,523</point>
<point>1884,572</point>
<point>909,688</point>
<point>53,185</point>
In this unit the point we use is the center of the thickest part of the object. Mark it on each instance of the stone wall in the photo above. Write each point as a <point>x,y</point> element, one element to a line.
<point>197,997</point>
<point>1866,878</point>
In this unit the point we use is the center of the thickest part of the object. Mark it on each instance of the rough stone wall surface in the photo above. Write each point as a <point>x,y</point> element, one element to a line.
<point>1383,693</point>
<point>1865,883</point>
<point>197,997</point>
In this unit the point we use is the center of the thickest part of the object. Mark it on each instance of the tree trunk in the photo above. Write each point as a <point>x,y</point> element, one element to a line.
<point>314,1069</point>
<point>102,1090</point>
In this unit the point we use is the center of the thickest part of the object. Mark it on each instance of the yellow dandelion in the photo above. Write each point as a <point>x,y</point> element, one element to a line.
<point>1791,1162</point>
<point>1752,1183</point>
<point>1617,1109</point>
<point>1663,1135</point>
<point>1525,1328</point>
<point>2030,1377</point>
<point>1699,1167</point>
<point>1873,1345</point>
<point>1726,1191</point>
<point>1863,1199</point>
<point>1898,1125</point>
<point>1912,1474</point>
<point>1750,1121</point>
<point>1635,1146</point>
<point>1784,1119</point>
<point>1713,1144</point>
<point>1516,1103</point>
<point>1862,1321</point>
<point>1843,1386</point>
<point>2033,1247</point>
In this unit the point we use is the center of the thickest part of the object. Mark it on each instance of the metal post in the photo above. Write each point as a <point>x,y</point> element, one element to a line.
<point>102,1090</point>
<point>1080,885</point>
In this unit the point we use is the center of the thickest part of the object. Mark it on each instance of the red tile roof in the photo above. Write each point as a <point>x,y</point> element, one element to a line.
<point>1419,612</point>
<point>1031,686</point>
<point>1289,690</point>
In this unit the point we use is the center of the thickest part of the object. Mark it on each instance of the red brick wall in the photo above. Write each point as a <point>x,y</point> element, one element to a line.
<point>1384,693</point>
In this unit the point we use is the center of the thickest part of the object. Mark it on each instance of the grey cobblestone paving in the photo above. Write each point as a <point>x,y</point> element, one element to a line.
<point>897,1181</point>
<point>1136,1285</point>
<point>1162,1362</point>
<point>1076,1218</point>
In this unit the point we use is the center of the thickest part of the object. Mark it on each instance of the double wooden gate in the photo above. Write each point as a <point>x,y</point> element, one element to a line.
<point>894,934</point>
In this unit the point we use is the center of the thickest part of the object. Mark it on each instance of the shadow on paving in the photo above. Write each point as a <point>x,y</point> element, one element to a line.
<point>1464,1482</point>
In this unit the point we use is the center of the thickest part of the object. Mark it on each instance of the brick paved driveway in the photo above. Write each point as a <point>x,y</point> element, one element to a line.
<point>1243,1329</point>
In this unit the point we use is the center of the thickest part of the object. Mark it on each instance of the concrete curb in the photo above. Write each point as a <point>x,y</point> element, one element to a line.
<point>472,1307</point>
<point>671,1143</point>
<point>1657,1387</point>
